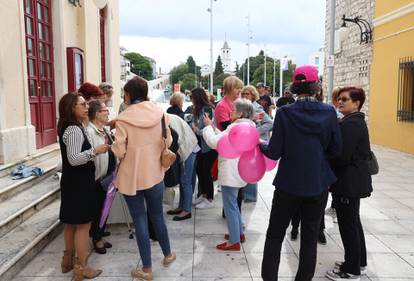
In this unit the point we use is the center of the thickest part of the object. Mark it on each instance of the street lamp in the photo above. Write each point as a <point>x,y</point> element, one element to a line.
<point>249,36</point>
<point>364,28</point>
<point>210,10</point>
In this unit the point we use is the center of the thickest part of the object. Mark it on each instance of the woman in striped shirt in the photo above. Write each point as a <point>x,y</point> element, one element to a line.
<point>77,184</point>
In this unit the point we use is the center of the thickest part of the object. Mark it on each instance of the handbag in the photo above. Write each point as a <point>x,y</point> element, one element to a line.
<point>167,156</point>
<point>106,180</point>
<point>373,167</point>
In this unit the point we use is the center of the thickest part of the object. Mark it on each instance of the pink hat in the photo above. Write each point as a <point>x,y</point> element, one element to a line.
<point>305,73</point>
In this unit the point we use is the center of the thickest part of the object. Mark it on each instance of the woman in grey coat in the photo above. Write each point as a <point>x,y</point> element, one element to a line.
<point>264,125</point>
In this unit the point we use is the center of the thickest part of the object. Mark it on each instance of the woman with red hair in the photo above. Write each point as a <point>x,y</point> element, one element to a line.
<point>91,92</point>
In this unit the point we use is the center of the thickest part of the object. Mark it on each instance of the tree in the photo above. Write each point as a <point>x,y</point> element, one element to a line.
<point>188,82</point>
<point>237,67</point>
<point>255,62</point>
<point>191,64</point>
<point>140,65</point>
<point>219,67</point>
<point>218,80</point>
<point>178,72</point>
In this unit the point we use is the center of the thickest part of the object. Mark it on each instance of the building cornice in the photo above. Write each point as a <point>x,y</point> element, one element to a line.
<point>394,15</point>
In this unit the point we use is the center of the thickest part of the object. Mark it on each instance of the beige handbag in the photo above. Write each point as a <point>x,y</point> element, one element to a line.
<point>167,156</point>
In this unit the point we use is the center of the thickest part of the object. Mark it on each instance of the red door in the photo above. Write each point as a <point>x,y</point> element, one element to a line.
<point>39,49</point>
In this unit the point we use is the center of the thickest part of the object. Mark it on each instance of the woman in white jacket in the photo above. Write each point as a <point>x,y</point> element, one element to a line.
<point>228,175</point>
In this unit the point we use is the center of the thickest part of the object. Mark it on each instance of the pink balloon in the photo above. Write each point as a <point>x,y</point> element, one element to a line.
<point>244,136</point>
<point>270,164</point>
<point>225,149</point>
<point>252,165</point>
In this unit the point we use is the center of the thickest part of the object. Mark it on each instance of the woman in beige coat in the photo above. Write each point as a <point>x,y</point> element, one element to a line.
<point>138,145</point>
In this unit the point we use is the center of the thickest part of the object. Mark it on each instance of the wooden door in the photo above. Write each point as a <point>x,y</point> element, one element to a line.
<point>40,70</point>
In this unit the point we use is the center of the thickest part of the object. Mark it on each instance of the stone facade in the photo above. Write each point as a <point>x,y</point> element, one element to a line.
<point>352,59</point>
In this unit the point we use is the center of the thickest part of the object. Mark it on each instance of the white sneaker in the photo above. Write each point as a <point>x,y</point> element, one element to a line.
<point>337,275</point>
<point>363,268</point>
<point>205,204</point>
<point>219,188</point>
<point>198,200</point>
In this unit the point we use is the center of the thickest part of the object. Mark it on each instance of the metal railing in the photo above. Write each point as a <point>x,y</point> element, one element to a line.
<point>405,112</point>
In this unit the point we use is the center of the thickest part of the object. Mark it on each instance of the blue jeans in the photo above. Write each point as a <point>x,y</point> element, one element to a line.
<point>232,212</point>
<point>250,192</point>
<point>152,198</point>
<point>186,183</point>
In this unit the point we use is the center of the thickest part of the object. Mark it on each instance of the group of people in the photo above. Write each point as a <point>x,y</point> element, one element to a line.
<point>318,150</point>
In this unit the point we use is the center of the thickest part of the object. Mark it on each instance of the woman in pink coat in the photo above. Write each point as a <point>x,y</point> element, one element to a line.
<point>138,145</point>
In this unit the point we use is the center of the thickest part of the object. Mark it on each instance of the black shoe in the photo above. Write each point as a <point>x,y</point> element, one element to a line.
<point>293,235</point>
<point>322,238</point>
<point>174,212</point>
<point>106,234</point>
<point>99,250</point>
<point>107,245</point>
<point>178,218</point>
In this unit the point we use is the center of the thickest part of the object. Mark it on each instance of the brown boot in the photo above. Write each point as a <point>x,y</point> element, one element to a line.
<point>85,272</point>
<point>67,261</point>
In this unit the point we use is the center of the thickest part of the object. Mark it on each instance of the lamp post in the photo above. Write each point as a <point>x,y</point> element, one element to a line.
<point>248,48</point>
<point>210,10</point>
<point>264,76</point>
<point>331,51</point>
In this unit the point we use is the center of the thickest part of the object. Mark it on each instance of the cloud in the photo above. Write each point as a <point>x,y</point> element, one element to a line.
<point>170,30</point>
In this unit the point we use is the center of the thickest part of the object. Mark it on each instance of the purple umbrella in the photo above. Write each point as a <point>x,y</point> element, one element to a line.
<point>109,199</point>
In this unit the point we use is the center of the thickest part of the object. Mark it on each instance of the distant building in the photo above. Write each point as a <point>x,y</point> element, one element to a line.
<point>126,73</point>
<point>154,67</point>
<point>226,58</point>
<point>205,70</point>
<point>317,59</point>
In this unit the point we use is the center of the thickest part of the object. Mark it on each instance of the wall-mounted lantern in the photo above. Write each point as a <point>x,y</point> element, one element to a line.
<point>364,28</point>
<point>75,3</point>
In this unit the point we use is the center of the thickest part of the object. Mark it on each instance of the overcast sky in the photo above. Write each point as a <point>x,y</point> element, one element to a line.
<point>171,30</point>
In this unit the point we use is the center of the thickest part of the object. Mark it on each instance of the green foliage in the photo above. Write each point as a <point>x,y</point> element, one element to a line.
<point>188,82</point>
<point>237,67</point>
<point>140,65</point>
<point>219,67</point>
<point>218,80</point>
<point>191,65</point>
<point>177,73</point>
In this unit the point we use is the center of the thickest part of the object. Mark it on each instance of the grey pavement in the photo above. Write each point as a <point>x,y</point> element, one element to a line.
<point>387,217</point>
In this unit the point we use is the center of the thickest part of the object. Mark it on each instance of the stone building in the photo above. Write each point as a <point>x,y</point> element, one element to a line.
<point>226,57</point>
<point>352,59</point>
<point>48,49</point>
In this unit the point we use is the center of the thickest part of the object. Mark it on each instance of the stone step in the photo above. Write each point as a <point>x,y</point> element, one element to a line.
<point>10,187</point>
<point>32,160</point>
<point>25,204</point>
<point>24,242</point>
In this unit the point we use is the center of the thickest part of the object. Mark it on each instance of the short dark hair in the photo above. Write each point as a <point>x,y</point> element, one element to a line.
<point>310,88</point>
<point>89,90</point>
<point>137,89</point>
<point>94,107</point>
<point>66,116</point>
<point>355,93</point>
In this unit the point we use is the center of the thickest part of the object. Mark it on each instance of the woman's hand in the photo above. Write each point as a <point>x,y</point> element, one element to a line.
<point>207,120</point>
<point>102,148</point>
<point>259,116</point>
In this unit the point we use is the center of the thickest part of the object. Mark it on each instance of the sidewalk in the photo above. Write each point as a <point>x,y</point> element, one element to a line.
<point>387,217</point>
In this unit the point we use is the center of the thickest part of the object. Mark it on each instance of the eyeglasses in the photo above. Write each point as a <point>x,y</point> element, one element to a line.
<point>104,110</point>
<point>343,99</point>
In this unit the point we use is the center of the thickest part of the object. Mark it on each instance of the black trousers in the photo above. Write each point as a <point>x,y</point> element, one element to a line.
<point>205,180</point>
<point>95,232</point>
<point>284,206</point>
<point>296,221</point>
<point>352,234</point>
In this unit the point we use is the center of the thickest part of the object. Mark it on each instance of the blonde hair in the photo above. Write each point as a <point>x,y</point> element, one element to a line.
<point>177,99</point>
<point>230,83</point>
<point>252,90</point>
<point>335,95</point>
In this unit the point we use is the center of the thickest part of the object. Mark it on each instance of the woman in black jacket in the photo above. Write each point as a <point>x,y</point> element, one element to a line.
<point>354,183</point>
